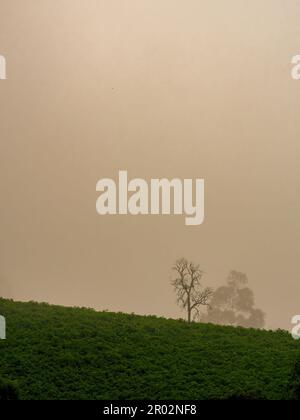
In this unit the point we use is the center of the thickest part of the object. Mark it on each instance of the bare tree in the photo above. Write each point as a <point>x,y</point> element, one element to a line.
<point>187,284</point>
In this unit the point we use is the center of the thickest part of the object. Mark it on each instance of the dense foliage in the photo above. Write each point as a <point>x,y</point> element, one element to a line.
<point>55,352</point>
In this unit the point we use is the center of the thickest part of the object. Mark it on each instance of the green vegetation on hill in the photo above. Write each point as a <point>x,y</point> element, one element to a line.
<point>55,352</point>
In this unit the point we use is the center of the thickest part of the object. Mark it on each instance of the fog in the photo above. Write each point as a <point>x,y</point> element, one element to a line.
<point>198,89</point>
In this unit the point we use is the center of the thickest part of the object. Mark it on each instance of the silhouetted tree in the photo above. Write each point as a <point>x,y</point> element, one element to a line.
<point>187,284</point>
<point>233,304</point>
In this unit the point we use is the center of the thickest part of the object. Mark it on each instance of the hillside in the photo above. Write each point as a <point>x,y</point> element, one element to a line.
<point>55,352</point>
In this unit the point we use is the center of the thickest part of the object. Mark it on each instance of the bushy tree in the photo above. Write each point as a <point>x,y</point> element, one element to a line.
<point>233,304</point>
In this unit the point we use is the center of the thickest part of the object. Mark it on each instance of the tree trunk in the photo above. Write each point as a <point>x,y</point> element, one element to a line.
<point>189,310</point>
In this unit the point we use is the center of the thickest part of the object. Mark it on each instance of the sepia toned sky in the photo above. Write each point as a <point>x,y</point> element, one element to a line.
<point>161,88</point>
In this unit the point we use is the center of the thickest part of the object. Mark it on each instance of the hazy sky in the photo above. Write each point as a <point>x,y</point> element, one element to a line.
<point>162,88</point>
